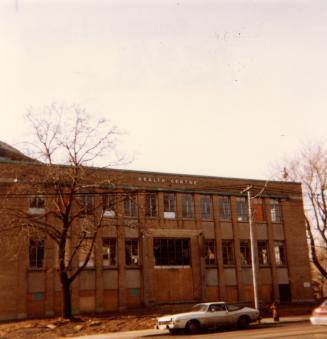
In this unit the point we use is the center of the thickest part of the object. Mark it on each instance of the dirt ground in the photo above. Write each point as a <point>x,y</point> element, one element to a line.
<point>128,320</point>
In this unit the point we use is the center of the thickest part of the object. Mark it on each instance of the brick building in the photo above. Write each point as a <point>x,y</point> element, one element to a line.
<point>176,238</point>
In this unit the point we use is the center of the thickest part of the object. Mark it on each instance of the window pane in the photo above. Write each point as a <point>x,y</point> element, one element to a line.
<point>210,252</point>
<point>228,252</point>
<point>130,206</point>
<point>36,253</point>
<point>109,252</point>
<point>131,252</point>
<point>280,253</point>
<point>84,251</point>
<point>206,207</point>
<point>245,252</point>
<point>169,202</point>
<point>171,252</point>
<point>151,204</point>
<point>275,211</point>
<point>187,206</point>
<point>87,203</point>
<point>224,208</point>
<point>37,202</point>
<point>263,253</point>
<point>242,209</point>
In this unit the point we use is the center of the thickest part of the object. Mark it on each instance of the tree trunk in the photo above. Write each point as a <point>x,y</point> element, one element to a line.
<point>67,306</point>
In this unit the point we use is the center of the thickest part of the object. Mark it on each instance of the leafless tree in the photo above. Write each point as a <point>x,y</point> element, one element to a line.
<point>309,167</point>
<point>65,141</point>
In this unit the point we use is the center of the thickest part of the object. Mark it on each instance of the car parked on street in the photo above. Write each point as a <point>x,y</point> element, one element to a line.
<point>319,315</point>
<point>207,316</point>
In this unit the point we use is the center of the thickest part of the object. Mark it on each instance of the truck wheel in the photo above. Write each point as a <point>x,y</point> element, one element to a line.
<point>193,327</point>
<point>173,331</point>
<point>243,322</point>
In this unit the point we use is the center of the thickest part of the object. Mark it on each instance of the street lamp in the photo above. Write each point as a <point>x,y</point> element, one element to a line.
<point>253,257</point>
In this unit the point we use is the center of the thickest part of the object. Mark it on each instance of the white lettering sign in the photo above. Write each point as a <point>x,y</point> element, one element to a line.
<point>162,180</point>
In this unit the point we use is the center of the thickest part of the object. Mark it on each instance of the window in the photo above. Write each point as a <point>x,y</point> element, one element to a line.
<point>258,210</point>
<point>280,253</point>
<point>37,202</point>
<point>187,206</point>
<point>263,252</point>
<point>87,203</point>
<point>275,211</point>
<point>131,252</point>
<point>206,207</point>
<point>36,253</point>
<point>151,205</point>
<point>109,202</point>
<point>245,252</point>
<point>242,209</point>
<point>169,206</point>
<point>210,252</point>
<point>228,252</point>
<point>130,206</point>
<point>109,252</point>
<point>84,250</point>
<point>224,208</point>
<point>171,252</point>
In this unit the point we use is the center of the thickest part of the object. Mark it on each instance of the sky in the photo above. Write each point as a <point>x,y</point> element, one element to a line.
<point>222,87</point>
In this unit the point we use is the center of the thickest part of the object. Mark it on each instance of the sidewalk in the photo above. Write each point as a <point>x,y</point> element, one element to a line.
<point>152,332</point>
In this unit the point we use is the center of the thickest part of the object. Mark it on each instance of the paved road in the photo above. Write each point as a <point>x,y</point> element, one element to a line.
<point>299,330</point>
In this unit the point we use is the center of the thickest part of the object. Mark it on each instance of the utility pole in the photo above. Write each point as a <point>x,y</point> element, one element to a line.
<point>253,256</point>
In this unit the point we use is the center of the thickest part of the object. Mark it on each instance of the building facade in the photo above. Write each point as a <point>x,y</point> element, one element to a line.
<point>166,238</point>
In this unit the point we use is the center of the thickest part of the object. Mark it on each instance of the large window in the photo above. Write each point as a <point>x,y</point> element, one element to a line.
<point>36,253</point>
<point>187,206</point>
<point>169,205</point>
<point>206,207</point>
<point>151,204</point>
<point>132,252</point>
<point>109,204</point>
<point>275,211</point>
<point>109,252</point>
<point>228,252</point>
<point>242,209</point>
<point>224,208</point>
<point>171,252</point>
<point>258,210</point>
<point>245,252</point>
<point>280,253</point>
<point>263,252</point>
<point>210,252</point>
<point>130,206</point>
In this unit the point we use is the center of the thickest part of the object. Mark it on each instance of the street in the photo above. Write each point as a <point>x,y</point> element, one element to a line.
<point>301,330</point>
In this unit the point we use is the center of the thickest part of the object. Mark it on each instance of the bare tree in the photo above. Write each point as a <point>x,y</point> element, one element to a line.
<point>310,168</point>
<point>65,141</point>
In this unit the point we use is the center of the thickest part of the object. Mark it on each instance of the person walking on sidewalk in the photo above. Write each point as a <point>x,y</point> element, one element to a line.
<point>275,311</point>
